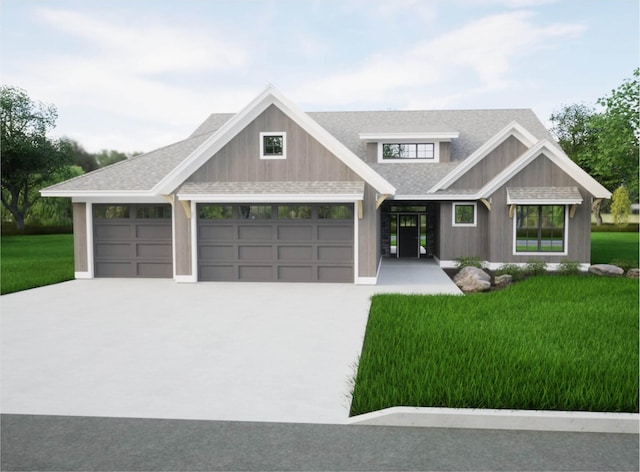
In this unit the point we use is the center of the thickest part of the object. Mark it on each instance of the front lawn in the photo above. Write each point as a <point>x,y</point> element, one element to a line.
<point>608,247</point>
<point>29,261</point>
<point>550,343</point>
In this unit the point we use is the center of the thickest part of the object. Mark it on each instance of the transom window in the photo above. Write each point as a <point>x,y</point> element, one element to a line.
<point>540,228</point>
<point>464,214</point>
<point>408,151</point>
<point>294,212</point>
<point>273,145</point>
<point>255,212</point>
<point>215,212</point>
<point>335,212</point>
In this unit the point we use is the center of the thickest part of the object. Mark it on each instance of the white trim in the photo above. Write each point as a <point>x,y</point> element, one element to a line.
<point>565,251</point>
<point>356,245</point>
<point>89,218</point>
<point>185,279</point>
<point>271,198</point>
<point>82,275</point>
<point>556,156</point>
<point>104,198</point>
<point>464,225</point>
<point>448,264</point>
<point>549,266</point>
<point>265,134</point>
<point>556,201</point>
<point>270,96</point>
<point>173,235</point>
<point>512,129</point>
<point>410,160</point>
<point>439,136</point>
<point>366,280</point>
<point>194,241</point>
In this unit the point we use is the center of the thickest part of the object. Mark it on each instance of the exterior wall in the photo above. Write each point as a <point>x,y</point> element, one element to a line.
<point>306,159</point>
<point>181,239</point>
<point>491,165</point>
<point>463,241</point>
<point>368,242</point>
<point>540,173</point>
<point>80,248</point>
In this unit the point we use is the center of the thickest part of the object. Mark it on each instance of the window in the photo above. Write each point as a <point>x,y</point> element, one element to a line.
<point>294,212</point>
<point>153,212</point>
<point>540,228</point>
<point>255,212</point>
<point>111,212</point>
<point>335,212</point>
<point>464,214</point>
<point>408,151</point>
<point>215,212</point>
<point>273,145</point>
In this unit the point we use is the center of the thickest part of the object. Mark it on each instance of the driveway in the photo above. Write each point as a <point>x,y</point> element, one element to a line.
<point>156,349</point>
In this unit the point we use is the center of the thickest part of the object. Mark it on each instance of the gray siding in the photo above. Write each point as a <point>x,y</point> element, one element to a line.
<point>540,173</point>
<point>307,159</point>
<point>462,241</point>
<point>369,244</point>
<point>80,253</point>
<point>491,165</point>
<point>182,239</point>
<point>445,152</point>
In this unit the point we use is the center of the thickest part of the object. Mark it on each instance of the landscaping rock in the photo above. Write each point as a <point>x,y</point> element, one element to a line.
<point>606,269</point>
<point>503,280</point>
<point>633,273</point>
<point>472,279</point>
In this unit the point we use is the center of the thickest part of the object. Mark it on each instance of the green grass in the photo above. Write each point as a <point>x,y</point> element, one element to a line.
<point>607,247</point>
<point>33,261</point>
<point>549,343</point>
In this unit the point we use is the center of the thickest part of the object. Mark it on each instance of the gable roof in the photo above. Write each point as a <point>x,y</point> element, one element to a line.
<point>241,120</point>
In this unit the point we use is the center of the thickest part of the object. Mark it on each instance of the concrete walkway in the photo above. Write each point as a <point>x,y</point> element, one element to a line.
<point>150,348</point>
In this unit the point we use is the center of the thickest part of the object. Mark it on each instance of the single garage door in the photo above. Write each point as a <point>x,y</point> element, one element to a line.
<point>132,241</point>
<point>275,243</point>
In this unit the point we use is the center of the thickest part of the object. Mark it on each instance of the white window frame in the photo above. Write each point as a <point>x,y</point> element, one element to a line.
<point>436,151</point>
<point>475,214</point>
<point>514,242</point>
<point>266,134</point>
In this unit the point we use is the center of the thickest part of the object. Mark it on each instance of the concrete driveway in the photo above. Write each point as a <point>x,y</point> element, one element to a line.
<point>156,349</point>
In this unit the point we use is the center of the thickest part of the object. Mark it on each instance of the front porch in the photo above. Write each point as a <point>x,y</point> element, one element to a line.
<point>423,276</point>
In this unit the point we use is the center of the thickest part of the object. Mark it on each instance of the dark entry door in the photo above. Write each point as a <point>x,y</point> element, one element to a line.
<point>408,236</point>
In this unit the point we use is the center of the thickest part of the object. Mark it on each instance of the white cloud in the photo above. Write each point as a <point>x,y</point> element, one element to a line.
<point>476,56</point>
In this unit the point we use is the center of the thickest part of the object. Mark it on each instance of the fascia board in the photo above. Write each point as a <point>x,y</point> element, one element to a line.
<point>270,198</point>
<point>432,197</point>
<point>374,137</point>
<point>557,157</point>
<point>553,201</point>
<point>119,199</point>
<point>99,193</point>
<point>512,129</point>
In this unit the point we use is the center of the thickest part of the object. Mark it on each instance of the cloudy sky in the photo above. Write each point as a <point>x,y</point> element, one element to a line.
<point>134,75</point>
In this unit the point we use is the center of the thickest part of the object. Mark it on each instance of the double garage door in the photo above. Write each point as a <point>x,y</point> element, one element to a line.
<point>271,243</point>
<point>132,241</point>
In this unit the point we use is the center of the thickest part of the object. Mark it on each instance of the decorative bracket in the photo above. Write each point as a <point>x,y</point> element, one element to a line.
<point>186,205</point>
<point>487,203</point>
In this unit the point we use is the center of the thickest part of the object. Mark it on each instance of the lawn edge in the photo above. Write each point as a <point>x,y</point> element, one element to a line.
<point>529,420</point>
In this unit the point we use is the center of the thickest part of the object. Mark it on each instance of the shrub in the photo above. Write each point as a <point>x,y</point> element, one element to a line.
<point>514,270</point>
<point>624,264</point>
<point>569,267</point>
<point>536,267</point>
<point>462,262</point>
<point>620,206</point>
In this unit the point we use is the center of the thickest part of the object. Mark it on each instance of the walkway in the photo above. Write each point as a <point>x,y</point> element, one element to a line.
<point>414,276</point>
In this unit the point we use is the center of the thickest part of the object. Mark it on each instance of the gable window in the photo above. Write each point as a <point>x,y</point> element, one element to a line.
<point>540,228</point>
<point>464,214</point>
<point>273,145</point>
<point>391,151</point>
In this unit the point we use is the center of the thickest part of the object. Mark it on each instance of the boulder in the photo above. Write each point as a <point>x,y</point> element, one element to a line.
<point>633,273</point>
<point>472,279</point>
<point>606,269</point>
<point>503,280</point>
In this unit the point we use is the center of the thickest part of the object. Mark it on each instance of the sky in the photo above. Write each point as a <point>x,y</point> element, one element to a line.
<point>136,75</point>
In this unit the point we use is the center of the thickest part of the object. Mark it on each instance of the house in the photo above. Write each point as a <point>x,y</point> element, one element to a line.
<point>275,194</point>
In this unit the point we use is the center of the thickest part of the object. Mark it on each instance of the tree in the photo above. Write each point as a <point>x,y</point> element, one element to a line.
<point>620,206</point>
<point>29,157</point>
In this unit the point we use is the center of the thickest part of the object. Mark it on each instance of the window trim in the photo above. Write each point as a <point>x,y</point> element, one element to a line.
<point>565,251</point>
<point>410,160</point>
<point>266,134</point>
<point>464,225</point>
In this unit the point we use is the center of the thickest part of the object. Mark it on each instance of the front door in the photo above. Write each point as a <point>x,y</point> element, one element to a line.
<point>408,236</point>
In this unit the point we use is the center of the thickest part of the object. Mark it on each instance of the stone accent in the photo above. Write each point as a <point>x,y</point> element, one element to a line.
<point>633,273</point>
<point>472,279</point>
<point>606,269</point>
<point>503,280</point>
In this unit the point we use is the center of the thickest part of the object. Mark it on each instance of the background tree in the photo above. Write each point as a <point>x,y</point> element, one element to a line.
<point>620,206</point>
<point>604,143</point>
<point>29,157</point>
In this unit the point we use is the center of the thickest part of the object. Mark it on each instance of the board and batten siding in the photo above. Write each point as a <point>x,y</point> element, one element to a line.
<point>463,241</point>
<point>491,165</point>
<point>542,172</point>
<point>306,159</point>
<point>181,239</point>
<point>368,242</point>
<point>80,243</point>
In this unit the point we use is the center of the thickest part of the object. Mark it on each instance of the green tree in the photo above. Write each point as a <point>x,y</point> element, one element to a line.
<point>29,158</point>
<point>620,206</point>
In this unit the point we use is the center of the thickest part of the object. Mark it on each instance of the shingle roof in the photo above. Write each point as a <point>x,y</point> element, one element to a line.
<point>142,173</point>
<point>541,194</point>
<point>272,188</point>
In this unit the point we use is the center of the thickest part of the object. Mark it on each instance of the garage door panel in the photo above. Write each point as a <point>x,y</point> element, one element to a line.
<point>295,233</point>
<point>113,269</point>
<point>295,253</point>
<point>255,253</point>
<point>335,274</point>
<point>112,251</point>
<point>295,273</point>
<point>151,251</point>
<point>255,273</point>
<point>335,253</point>
<point>255,232</point>
<point>145,231</point>
<point>154,269</point>
<point>220,253</point>
<point>222,273</point>
<point>335,233</point>
<point>112,231</point>
<point>217,233</point>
